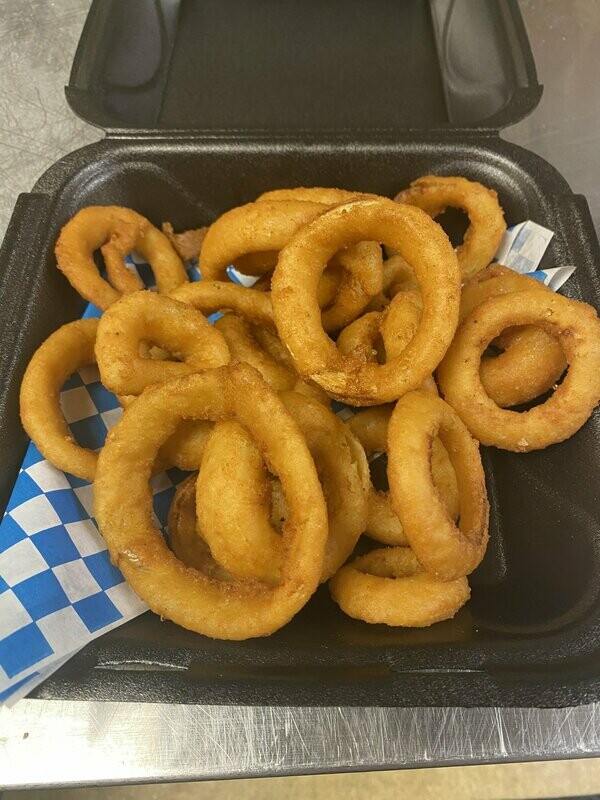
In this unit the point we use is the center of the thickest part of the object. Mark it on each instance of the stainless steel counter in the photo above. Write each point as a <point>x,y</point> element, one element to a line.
<point>46,743</point>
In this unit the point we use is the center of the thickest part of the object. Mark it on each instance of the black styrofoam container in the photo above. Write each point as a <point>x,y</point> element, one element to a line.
<point>206,104</point>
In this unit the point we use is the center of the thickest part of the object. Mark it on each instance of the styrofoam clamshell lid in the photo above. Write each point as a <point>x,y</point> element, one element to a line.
<point>281,68</point>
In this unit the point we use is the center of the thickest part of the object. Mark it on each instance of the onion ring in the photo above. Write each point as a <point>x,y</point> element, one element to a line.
<point>389,586</point>
<point>123,506</point>
<point>298,317</point>
<point>233,502</point>
<point>532,361</point>
<point>63,353</point>
<point>443,549</point>
<point>210,296</point>
<point>371,429</point>
<point>234,495</point>
<point>344,473</point>
<point>185,448</point>
<point>577,328</point>
<point>267,226</point>
<point>146,316</point>
<point>434,193</point>
<point>252,228</point>
<point>95,226</point>
<point>399,323</point>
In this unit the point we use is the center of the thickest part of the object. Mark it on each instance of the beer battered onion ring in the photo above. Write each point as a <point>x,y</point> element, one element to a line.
<point>434,193</point>
<point>233,494</point>
<point>531,361</point>
<point>297,315</point>
<point>120,230</point>
<point>266,227</point>
<point>577,328</point>
<point>371,429</point>
<point>443,549</point>
<point>389,586</point>
<point>62,354</point>
<point>123,505</point>
<point>149,317</point>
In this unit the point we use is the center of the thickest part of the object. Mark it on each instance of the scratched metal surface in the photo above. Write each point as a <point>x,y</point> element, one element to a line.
<point>68,743</point>
<point>59,743</point>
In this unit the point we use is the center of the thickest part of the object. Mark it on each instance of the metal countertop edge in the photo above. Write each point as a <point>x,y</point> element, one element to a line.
<point>109,742</point>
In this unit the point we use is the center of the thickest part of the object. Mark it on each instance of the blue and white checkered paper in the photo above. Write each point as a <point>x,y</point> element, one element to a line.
<point>58,589</point>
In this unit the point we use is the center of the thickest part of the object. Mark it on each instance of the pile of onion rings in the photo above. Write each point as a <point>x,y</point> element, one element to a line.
<point>358,299</point>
